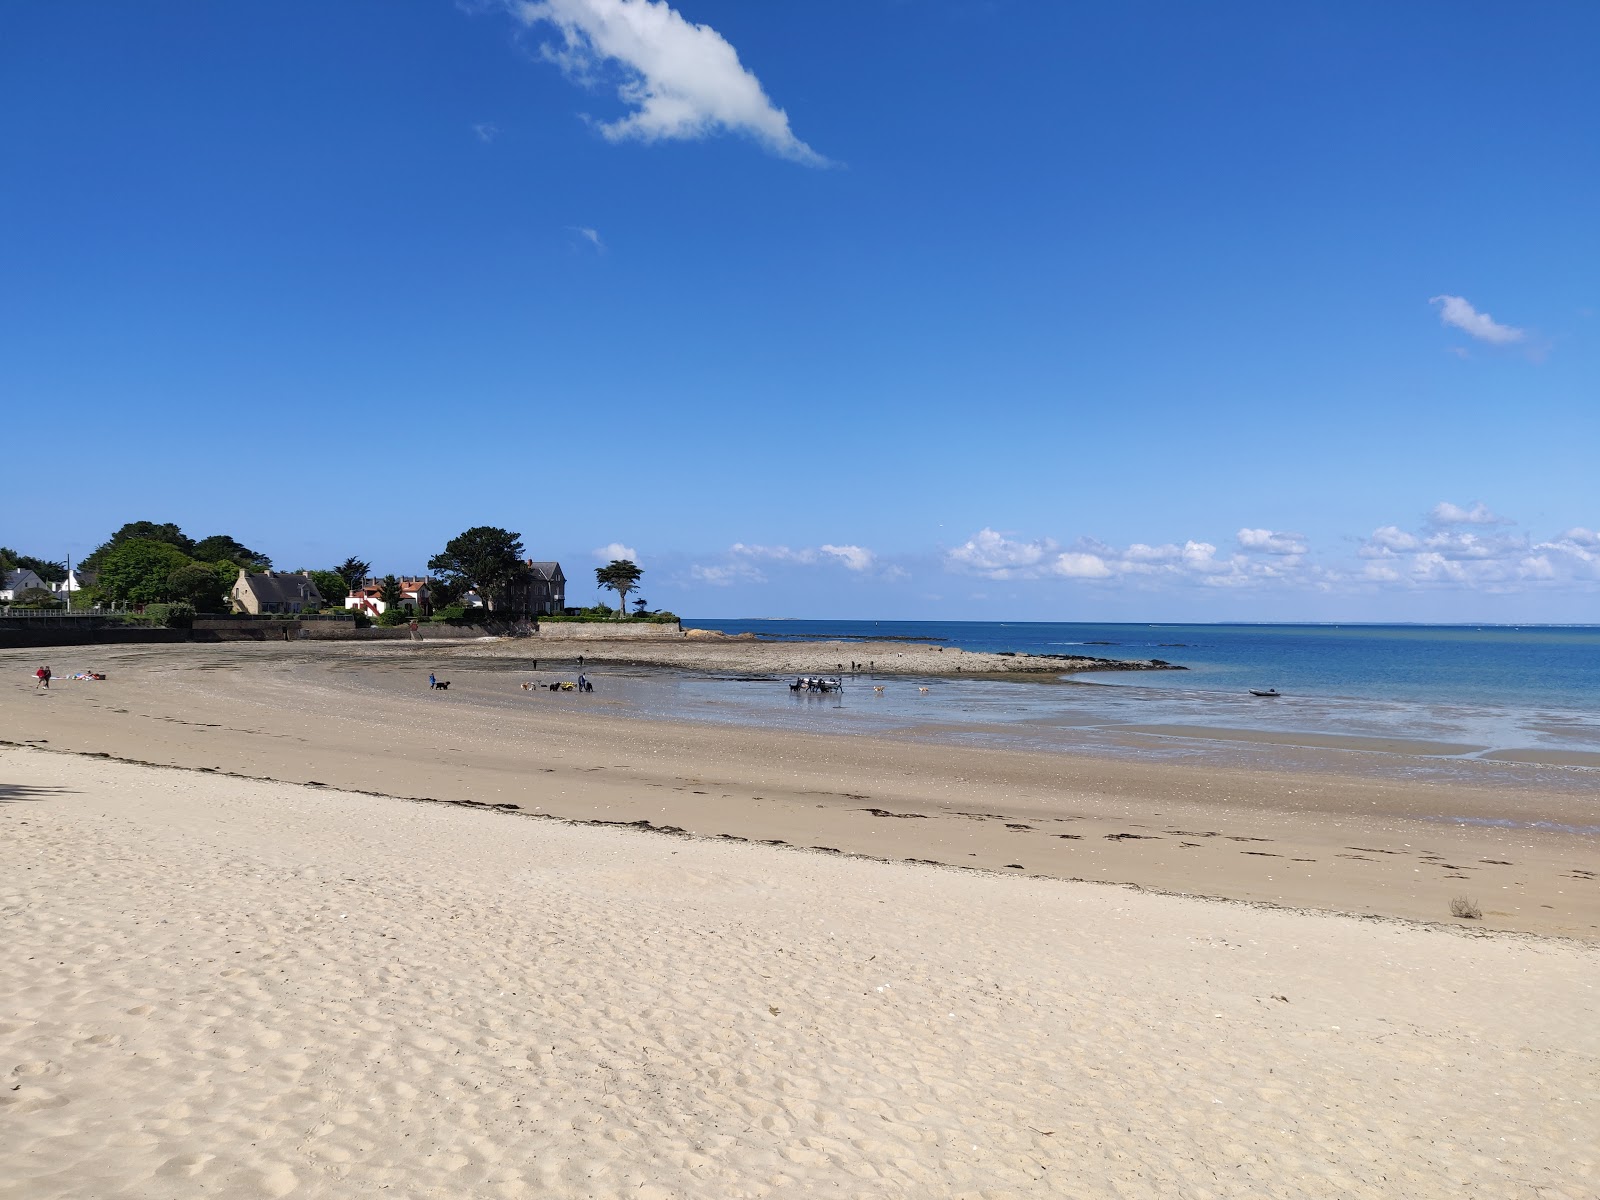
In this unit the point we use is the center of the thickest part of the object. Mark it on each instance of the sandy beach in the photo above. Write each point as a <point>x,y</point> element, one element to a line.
<point>286,923</point>
<point>233,988</point>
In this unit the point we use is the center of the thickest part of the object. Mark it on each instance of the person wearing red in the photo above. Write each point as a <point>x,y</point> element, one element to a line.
<point>43,676</point>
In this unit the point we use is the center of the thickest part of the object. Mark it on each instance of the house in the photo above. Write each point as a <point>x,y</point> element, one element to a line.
<point>274,592</point>
<point>547,588</point>
<point>416,596</point>
<point>18,581</point>
<point>77,579</point>
<point>541,590</point>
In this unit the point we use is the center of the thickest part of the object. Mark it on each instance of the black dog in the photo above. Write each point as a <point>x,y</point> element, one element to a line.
<point>442,685</point>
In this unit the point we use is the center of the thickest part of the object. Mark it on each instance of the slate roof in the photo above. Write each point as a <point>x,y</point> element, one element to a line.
<point>547,570</point>
<point>282,587</point>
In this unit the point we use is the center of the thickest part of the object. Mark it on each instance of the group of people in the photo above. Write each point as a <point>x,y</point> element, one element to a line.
<point>816,684</point>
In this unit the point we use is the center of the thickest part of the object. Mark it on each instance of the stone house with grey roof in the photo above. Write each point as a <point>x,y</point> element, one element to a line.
<point>274,592</point>
<point>547,588</point>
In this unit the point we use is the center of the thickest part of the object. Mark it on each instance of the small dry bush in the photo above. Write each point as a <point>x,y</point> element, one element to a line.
<point>1466,909</point>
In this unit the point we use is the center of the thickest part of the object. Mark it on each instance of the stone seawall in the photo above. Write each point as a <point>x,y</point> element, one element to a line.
<point>593,631</point>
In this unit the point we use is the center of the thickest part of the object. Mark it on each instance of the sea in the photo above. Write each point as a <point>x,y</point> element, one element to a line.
<point>1427,692</point>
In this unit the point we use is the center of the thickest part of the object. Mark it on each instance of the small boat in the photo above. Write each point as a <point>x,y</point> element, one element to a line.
<point>1265,692</point>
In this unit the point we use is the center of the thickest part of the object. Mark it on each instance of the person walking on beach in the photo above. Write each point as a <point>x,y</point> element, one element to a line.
<point>43,676</point>
<point>432,682</point>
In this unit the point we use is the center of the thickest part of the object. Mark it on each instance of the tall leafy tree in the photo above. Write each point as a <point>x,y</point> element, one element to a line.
<point>621,575</point>
<point>389,592</point>
<point>219,547</point>
<point>139,571</point>
<point>486,559</point>
<point>352,570</point>
<point>145,531</point>
<point>199,585</point>
<point>332,585</point>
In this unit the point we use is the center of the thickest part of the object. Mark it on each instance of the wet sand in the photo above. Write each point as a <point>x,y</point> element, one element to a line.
<point>1319,835</point>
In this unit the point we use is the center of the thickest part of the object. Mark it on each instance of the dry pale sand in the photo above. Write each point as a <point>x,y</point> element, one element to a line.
<point>360,718</point>
<point>232,988</point>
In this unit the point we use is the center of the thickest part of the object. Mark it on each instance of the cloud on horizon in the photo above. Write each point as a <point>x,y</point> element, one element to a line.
<point>1465,547</point>
<point>1451,547</point>
<point>681,81</point>
<point>614,551</point>
<point>1456,311</point>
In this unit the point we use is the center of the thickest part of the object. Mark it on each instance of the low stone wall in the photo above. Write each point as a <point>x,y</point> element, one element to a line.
<point>427,631</point>
<point>13,638</point>
<point>608,631</point>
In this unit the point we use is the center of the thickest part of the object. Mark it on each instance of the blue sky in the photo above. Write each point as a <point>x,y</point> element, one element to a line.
<point>857,309</point>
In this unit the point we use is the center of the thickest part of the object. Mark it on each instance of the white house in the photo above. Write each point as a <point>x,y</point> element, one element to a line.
<point>415,597</point>
<point>18,581</point>
<point>75,581</point>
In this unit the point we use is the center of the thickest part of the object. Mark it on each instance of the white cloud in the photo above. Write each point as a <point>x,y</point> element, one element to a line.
<point>997,556</point>
<point>1444,514</point>
<point>1265,541</point>
<point>1073,565</point>
<point>1454,310</point>
<point>681,80</point>
<point>855,558</point>
<point>614,551</point>
<point>994,556</point>
<point>592,236</point>
<point>486,132</point>
<point>1388,541</point>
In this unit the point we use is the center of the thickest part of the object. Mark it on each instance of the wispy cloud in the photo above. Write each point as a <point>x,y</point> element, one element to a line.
<point>486,132</point>
<point>993,555</point>
<point>1455,310</point>
<point>680,80</point>
<point>855,558</point>
<point>773,553</point>
<point>614,551</point>
<point>728,574</point>
<point>1266,541</point>
<point>1444,515</point>
<point>592,236</point>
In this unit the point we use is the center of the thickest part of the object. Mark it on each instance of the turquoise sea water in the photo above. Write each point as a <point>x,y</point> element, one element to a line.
<point>1473,690</point>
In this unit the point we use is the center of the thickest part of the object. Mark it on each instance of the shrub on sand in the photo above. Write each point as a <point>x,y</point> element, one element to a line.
<point>1466,909</point>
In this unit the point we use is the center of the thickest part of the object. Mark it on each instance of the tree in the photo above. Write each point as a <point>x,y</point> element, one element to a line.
<point>332,585</point>
<point>486,559</point>
<point>37,598</point>
<point>640,606</point>
<point>219,547</point>
<point>50,572</point>
<point>138,571</point>
<point>147,531</point>
<point>389,592</point>
<point>197,584</point>
<point>353,571</point>
<point>621,575</point>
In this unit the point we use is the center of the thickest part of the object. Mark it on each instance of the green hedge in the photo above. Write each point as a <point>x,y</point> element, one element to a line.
<point>178,615</point>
